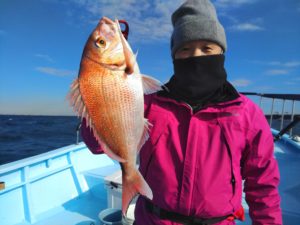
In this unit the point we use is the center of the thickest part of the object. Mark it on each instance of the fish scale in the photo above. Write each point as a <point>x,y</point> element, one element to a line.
<point>108,121</point>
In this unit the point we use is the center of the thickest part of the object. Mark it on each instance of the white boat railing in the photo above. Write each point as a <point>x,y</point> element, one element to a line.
<point>294,98</point>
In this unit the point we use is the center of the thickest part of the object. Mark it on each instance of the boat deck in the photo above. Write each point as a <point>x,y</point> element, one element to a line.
<point>82,210</point>
<point>62,187</point>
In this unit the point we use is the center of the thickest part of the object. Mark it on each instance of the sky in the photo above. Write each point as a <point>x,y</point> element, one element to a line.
<point>41,43</point>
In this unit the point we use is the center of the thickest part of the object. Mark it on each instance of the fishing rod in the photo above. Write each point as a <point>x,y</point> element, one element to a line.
<point>287,128</point>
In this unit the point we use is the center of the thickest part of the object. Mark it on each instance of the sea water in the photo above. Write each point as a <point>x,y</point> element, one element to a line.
<point>24,136</point>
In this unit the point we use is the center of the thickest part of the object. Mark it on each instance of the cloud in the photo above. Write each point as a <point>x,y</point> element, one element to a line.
<point>287,64</point>
<point>149,20</point>
<point>241,82</point>
<point>279,67</point>
<point>246,27</point>
<point>55,71</point>
<point>292,64</point>
<point>284,64</point>
<point>254,24</point>
<point>232,3</point>
<point>293,81</point>
<point>277,72</point>
<point>224,8</point>
<point>44,57</point>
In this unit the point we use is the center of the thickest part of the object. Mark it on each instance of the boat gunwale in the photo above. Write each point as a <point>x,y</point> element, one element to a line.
<point>36,159</point>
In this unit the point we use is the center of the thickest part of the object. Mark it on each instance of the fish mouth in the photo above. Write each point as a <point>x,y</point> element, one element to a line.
<point>107,20</point>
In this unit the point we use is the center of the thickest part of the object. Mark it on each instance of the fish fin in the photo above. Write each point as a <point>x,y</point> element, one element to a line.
<point>129,56</point>
<point>136,55</point>
<point>112,155</point>
<point>74,89</point>
<point>145,134</point>
<point>133,186</point>
<point>106,149</point>
<point>136,66</point>
<point>75,99</point>
<point>151,85</point>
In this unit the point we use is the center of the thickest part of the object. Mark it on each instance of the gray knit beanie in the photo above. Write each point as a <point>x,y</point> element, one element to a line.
<point>196,20</point>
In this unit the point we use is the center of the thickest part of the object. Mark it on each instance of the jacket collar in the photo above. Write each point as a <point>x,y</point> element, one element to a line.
<point>214,107</point>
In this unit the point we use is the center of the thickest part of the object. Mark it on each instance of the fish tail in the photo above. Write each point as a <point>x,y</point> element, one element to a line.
<point>132,186</point>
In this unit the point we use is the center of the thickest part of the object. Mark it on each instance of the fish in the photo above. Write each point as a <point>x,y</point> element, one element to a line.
<point>109,94</point>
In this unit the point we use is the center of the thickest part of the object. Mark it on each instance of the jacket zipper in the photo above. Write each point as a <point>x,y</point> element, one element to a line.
<point>232,180</point>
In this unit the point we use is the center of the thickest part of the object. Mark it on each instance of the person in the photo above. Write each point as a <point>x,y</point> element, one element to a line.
<point>206,137</point>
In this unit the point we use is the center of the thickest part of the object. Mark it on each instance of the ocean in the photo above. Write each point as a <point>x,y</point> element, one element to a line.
<point>25,136</point>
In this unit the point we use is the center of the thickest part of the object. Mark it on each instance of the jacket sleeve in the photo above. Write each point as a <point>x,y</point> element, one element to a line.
<point>261,174</point>
<point>88,135</point>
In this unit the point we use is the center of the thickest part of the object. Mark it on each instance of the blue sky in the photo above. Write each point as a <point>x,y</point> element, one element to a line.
<point>41,42</point>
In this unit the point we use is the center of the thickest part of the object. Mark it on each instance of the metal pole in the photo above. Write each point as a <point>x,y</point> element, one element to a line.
<point>272,109</point>
<point>77,133</point>
<point>282,114</point>
<point>260,101</point>
<point>292,116</point>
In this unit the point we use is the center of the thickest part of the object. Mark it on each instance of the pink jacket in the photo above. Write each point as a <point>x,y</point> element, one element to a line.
<point>195,163</point>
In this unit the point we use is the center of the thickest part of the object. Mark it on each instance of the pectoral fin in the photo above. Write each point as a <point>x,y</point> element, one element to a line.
<point>151,85</point>
<point>145,134</point>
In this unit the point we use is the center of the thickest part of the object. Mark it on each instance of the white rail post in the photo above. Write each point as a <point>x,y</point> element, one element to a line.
<point>282,114</point>
<point>28,206</point>
<point>272,110</point>
<point>77,133</point>
<point>260,101</point>
<point>293,115</point>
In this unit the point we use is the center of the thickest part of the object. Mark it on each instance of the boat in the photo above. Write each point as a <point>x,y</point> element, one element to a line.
<point>71,186</point>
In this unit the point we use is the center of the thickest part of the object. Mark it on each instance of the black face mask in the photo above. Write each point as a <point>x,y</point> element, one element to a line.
<point>198,79</point>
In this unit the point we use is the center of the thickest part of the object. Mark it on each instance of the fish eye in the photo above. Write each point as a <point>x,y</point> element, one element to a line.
<point>100,43</point>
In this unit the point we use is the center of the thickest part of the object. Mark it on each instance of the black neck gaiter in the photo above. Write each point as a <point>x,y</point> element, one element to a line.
<point>198,80</point>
